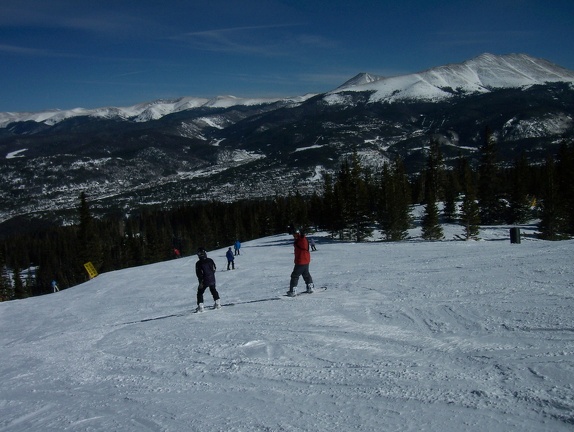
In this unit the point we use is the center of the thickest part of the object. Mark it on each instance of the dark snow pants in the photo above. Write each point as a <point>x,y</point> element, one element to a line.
<point>300,270</point>
<point>201,289</point>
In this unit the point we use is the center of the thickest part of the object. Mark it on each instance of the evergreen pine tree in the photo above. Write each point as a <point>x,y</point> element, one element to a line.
<point>434,172</point>
<point>154,247</point>
<point>470,212</point>
<point>333,222</point>
<point>19,288</point>
<point>451,192</point>
<point>297,210</point>
<point>316,210</point>
<point>491,208</point>
<point>553,221</point>
<point>361,211</point>
<point>385,203</point>
<point>204,233</point>
<point>88,243</point>
<point>344,192</point>
<point>519,211</point>
<point>564,172</point>
<point>29,284</point>
<point>6,291</point>
<point>351,201</point>
<point>240,232</point>
<point>431,228</point>
<point>394,201</point>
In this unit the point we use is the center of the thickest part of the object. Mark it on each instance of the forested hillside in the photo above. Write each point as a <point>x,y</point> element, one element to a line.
<point>354,204</point>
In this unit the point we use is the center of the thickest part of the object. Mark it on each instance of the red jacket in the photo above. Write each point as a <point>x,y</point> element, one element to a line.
<point>302,255</point>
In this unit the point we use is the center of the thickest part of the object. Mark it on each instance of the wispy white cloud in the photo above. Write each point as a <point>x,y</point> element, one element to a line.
<point>132,73</point>
<point>316,41</point>
<point>480,38</point>
<point>26,51</point>
<point>270,40</point>
<point>80,16</point>
<point>235,30</point>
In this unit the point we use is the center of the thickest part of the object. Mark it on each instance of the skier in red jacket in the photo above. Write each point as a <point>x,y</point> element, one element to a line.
<point>302,260</point>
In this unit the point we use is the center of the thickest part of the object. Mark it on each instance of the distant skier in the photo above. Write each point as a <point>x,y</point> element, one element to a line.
<point>230,259</point>
<point>237,247</point>
<point>205,271</point>
<point>302,260</point>
<point>55,286</point>
<point>312,244</point>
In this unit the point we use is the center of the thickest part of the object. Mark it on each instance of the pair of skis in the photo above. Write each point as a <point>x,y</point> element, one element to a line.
<point>315,290</point>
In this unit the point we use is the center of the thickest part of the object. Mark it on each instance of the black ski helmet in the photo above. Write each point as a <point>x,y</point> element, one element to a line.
<point>201,252</point>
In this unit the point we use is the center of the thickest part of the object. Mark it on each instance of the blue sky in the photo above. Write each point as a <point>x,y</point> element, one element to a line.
<point>93,53</point>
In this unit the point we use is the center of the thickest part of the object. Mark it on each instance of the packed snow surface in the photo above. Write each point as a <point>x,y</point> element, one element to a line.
<point>409,336</point>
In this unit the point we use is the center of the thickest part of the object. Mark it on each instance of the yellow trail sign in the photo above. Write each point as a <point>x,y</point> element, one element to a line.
<point>91,270</point>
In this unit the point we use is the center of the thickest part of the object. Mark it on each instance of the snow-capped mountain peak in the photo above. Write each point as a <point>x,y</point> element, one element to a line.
<point>478,75</point>
<point>361,79</point>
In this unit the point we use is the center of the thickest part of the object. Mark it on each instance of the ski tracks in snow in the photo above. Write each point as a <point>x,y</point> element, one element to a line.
<point>449,336</point>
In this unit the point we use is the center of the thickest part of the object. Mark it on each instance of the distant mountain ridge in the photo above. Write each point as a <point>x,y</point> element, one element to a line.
<point>142,112</point>
<point>481,74</point>
<point>478,75</point>
<point>167,152</point>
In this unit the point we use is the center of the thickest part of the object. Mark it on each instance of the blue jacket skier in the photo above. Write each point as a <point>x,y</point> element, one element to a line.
<point>205,271</point>
<point>237,247</point>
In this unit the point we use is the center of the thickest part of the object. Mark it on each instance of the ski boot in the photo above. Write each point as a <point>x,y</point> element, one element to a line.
<point>217,304</point>
<point>310,288</point>
<point>199,308</point>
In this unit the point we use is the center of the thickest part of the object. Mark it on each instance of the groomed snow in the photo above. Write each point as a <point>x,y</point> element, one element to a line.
<point>410,336</point>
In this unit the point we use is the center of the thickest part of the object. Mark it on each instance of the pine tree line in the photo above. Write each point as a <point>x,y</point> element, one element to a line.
<point>355,201</point>
<point>148,236</point>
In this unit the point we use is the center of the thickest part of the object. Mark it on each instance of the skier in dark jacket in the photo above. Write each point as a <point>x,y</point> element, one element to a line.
<point>205,271</point>
<point>230,259</point>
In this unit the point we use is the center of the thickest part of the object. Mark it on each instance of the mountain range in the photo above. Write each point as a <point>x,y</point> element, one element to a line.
<point>228,148</point>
